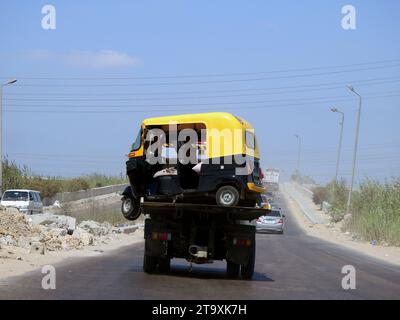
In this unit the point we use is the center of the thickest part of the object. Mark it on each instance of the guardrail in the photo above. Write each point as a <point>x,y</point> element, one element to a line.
<point>298,198</point>
<point>83,194</point>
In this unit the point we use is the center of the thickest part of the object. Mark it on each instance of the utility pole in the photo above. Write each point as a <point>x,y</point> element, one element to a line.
<point>351,88</point>
<point>9,82</point>
<point>340,142</point>
<point>298,153</point>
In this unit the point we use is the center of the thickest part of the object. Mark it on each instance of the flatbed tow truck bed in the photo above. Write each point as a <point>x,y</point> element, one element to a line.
<point>234,213</point>
<point>200,233</point>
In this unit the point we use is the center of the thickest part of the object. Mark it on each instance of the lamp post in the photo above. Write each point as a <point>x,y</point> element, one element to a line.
<point>9,82</point>
<point>340,142</point>
<point>298,153</point>
<point>351,88</point>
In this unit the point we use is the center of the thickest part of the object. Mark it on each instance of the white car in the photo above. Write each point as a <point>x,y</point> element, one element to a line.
<point>271,223</point>
<point>26,201</point>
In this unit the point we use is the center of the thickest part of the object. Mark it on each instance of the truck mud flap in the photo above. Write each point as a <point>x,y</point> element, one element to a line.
<point>154,247</point>
<point>240,244</point>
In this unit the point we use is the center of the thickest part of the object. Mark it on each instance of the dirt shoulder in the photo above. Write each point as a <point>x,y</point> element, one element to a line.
<point>16,261</point>
<point>332,233</point>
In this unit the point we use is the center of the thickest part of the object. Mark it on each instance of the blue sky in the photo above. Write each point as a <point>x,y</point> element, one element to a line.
<point>280,64</point>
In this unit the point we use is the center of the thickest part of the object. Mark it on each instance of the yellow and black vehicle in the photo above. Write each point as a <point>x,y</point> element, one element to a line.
<point>197,180</point>
<point>210,158</point>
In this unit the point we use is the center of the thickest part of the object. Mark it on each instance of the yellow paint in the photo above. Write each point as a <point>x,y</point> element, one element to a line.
<point>225,133</point>
<point>251,186</point>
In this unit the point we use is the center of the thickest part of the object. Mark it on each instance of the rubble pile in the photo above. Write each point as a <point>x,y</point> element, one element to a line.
<point>48,232</point>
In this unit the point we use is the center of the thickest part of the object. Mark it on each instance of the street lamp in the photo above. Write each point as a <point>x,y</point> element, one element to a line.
<point>351,88</point>
<point>9,82</point>
<point>298,153</point>
<point>340,141</point>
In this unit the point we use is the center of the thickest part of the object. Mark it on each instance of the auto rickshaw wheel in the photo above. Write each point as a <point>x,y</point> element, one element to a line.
<point>130,208</point>
<point>227,196</point>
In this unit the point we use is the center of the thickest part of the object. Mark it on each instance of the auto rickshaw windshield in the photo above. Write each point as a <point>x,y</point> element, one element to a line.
<point>138,142</point>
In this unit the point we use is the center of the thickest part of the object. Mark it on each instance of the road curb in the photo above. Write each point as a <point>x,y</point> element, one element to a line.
<point>289,190</point>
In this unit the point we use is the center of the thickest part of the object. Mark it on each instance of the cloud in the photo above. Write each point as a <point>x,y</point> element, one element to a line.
<point>101,59</point>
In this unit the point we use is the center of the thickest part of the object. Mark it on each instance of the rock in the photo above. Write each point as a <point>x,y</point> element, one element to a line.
<point>20,259</point>
<point>7,240</point>
<point>85,237</point>
<point>95,228</point>
<point>127,230</point>
<point>37,247</point>
<point>54,221</point>
<point>26,242</point>
<point>71,242</point>
<point>58,232</point>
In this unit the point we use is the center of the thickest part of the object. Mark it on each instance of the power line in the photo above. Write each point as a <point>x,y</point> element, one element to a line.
<point>319,85</point>
<point>208,75</point>
<point>227,108</point>
<point>184,98</point>
<point>211,81</point>
<point>387,94</point>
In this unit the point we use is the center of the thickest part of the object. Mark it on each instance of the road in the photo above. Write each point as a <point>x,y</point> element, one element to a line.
<point>289,266</point>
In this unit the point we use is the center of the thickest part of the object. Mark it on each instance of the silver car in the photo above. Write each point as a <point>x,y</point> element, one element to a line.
<point>271,223</point>
<point>26,201</point>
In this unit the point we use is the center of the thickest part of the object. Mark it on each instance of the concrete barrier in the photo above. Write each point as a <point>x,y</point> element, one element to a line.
<point>83,194</point>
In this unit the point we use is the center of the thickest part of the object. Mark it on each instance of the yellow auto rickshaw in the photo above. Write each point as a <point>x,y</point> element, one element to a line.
<point>197,158</point>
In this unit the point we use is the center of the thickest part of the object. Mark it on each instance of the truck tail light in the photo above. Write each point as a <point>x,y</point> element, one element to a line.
<point>241,242</point>
<point>162,236</point>
<point>279,220</point>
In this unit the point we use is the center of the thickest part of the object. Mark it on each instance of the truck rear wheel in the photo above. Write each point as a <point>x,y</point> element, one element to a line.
<point>164,264</point>
<point>149,264</point>
<point>232,270</point>
<point>247,270</point>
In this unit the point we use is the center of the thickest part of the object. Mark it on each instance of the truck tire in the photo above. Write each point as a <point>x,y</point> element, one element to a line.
<point>164,265</point>
<point>247,270</point>
<point>130,208</point>
<point>232,270</point>
<point>149,264</point>
<point>227,196</point>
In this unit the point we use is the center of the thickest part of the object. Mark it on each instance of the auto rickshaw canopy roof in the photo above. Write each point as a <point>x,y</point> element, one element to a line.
<point>220,127</point>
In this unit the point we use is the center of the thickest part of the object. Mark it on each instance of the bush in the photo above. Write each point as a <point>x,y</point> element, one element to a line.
<point>338,194</point>
<point>376,211</point>
<point>320,194</point>
<point>76,184</point>
<point>15,177</point>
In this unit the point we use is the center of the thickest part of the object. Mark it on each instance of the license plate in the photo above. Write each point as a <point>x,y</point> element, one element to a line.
<point>269,221</point>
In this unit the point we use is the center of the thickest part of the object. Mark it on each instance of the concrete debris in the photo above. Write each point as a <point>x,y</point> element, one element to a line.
<point>95,228</point>
<point>48,232</point>
<point>127,229</point>
<point>85,237</point>
<point>38,248</point>
<point>54,221</point>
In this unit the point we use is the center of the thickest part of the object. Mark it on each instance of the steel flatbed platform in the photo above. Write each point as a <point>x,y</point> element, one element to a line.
<point>234,213</point>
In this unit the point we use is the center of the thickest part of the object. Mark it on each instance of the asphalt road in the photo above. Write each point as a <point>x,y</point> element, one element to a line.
<point>289,266</point>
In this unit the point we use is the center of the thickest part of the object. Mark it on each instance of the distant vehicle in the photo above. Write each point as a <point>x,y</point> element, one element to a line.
<point>273,222</point>
<point>271,179</point>
<point>267,197</point>
<point>26,201</point>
